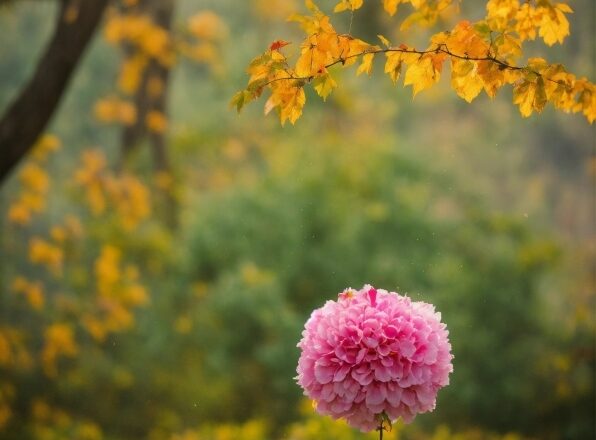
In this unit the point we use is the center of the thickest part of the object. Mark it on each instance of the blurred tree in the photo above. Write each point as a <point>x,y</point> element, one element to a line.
<point>27,117</point>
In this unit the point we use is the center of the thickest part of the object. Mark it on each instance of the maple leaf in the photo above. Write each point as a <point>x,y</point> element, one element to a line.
<point>384,40</point>
<point>530,96</point>
<point>390,6</point>
<point>492,76</point>
<point>366,66</point>
<point>465,79</point>
<point>345,5</point>
<point>292,104</point>
<point>240,99</point>
<point>588,100</point>
<point>527,19</point>
<point>324,85</point>
<point>421,75</point>
<point>501,12</point>
<point>554,26</point>
<point>483,55</point>
<point>464,39</point>
<point>278,44</point>
<point>393,65</point>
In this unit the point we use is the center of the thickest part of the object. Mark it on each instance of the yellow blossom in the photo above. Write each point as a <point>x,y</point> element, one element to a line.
<point>207,25</point>
<point>19,214</point>
<point>34,178</point>
<point>44,146</point>
<point>58,341</point>
<point>42,252</point>
<point>156,121</point>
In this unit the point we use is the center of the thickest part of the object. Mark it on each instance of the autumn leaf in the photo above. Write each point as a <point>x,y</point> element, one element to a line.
<point>465,79</point>
<point>278,44</point>
<point>501,12</point>
<point>366,66</point>
<point>530,96</point>
<point>554,26</point>
<point>384,40</point>
<point>527,19</point>
<point>424,72</point>
<point>291,108</point>
<point>393,65</point>
<point>348,5</point>
<point>240,99</point>
<point>465,40</point>
<point>493,77</point>
<point>288,98</point>
<point>390,6</point>
<point>324,85</point>
<point>484,55</point>
<point>420,75</point>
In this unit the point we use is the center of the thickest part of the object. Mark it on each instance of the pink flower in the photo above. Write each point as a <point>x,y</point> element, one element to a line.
<point>374,354</point>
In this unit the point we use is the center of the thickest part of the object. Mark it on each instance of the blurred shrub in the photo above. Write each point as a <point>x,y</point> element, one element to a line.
<point>343,215</point>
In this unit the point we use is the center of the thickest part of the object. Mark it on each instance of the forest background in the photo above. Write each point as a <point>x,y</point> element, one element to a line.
<point>159,261</point>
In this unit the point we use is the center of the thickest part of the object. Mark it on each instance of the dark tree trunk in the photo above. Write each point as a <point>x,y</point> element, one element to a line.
<point>28,115</point>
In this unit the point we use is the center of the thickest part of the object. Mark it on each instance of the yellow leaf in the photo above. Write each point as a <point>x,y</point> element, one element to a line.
<point>384,40</point>
<point>349,49</point>
<point>288,98</point>
<point>589,106</point>
<point>305,64</point>
<point>500,12</point>
<point>393,65</point>
<point>19,214</point>
<point>240,99</point>
<point>421,75</point>
<point>345,5</point>
<point>564,7</point>
<point>294,103</point>
<point>391,6</point>
<point>318,51</point>
<point>537,64</point>
<point>156,121</point>
<point>311,6</point>
<point>523,95</point>
<point>341,6</point>
<point>324,85</point>
<point>492,76</point>
<point>507,47</point>
<point>207,25</point>
<point>411,19</point>
<point>366,65</point>
<point>539,95</point>
<point>530,96</point>
<point>464,39</point>
<point>554,26</point>
<point>465,79</point>
<point>527,18</point>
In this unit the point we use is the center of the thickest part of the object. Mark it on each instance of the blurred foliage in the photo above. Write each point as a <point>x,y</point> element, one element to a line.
<point>116,325</point>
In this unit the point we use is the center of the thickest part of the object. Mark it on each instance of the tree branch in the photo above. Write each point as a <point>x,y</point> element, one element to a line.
<point>441,48</point>
<point>28,115</point>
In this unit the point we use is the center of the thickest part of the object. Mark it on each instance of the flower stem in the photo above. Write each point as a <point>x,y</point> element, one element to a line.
<point>381,431</point>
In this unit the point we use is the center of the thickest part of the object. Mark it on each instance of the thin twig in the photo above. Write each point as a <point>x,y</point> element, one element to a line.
<point>442,48</point>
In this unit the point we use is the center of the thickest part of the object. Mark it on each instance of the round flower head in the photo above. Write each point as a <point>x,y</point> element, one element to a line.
<point>374,355</point>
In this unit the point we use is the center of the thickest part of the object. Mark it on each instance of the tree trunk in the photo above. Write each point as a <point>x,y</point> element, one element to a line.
<point>28,115</point>
<point>146,101</point>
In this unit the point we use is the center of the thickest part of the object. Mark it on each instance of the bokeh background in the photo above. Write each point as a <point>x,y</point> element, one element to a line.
<point>162,298</point>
